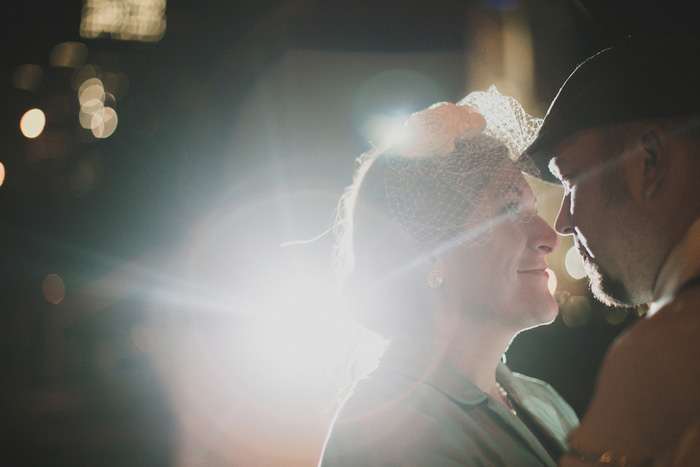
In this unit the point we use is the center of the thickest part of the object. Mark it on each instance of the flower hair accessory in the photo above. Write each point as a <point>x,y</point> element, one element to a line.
<point>433,131</point>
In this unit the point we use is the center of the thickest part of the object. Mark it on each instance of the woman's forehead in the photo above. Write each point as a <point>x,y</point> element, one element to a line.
<point>508,178</point>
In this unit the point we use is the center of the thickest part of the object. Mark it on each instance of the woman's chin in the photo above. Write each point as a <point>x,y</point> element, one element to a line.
<point>550,309</point>
<point>544,311</point>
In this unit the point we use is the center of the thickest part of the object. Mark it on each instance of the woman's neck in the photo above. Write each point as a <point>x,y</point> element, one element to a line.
<point>474,349</point>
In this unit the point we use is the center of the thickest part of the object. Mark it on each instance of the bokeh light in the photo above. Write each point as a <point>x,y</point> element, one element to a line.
<point>574,264</point>
<point>84,73</point>
<point>51,145</point>
<point>27,77</point>
<point>104,122</point>
<point>85,117</point>
<point>32,123</point>
<point>139,20</point>
<point>68,55</point>
<point>94,116</point>
<point>552,281</point>
<point>116,84</point>
<point>53,289</point>
<point>91,93</point>
<point>576,311</point>
<point>2,173</point>
<point>615,316</point>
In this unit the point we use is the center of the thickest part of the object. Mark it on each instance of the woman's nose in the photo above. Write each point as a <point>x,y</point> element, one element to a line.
<point>543,236</point>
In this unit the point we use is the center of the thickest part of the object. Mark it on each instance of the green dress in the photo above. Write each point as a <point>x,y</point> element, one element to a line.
<point>418,410</point>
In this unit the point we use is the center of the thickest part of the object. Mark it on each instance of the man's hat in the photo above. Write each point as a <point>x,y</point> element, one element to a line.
<point>639,78</point>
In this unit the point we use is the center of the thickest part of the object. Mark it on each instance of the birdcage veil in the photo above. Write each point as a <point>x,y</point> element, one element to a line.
<point>434,176</point>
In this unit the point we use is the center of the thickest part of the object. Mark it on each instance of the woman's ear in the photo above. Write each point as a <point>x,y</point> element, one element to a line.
<point>435,270</point>
<point>656,162</point>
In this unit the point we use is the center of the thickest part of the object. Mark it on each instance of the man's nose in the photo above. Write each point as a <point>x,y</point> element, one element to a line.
<point>562,223</point>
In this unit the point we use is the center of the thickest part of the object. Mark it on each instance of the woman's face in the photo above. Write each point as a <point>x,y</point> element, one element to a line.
<point>503,280</point>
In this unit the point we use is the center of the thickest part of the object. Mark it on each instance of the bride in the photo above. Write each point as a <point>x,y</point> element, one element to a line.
<point>444,255</point>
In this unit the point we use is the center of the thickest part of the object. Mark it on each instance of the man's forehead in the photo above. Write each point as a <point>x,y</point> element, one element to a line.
<point>576,153</point>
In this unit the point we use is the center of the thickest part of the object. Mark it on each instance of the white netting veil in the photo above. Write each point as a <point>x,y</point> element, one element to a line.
<point>506,120</point>
<point>430,183</point>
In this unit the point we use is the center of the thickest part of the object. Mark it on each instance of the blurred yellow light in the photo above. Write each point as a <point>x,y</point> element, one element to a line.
<point>92,86</point>
<point>574,264</point>
<point>32,123</point>
<point>2,173</point>
<point>53,289</point>
<point>552,281</point>
<point>104,122</point>
<point>51,145</point>
<point>68,54</point>
<point>84,73</point>
<point>616,315</point>
<point>91,95</point>
<point>576,311</point>
<point>142,20</point>
<point>85,117</point>
<point>116,84</point>
<point>27,77</point>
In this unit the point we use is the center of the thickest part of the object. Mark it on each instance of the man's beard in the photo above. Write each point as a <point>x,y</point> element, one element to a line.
<point>611,292</point>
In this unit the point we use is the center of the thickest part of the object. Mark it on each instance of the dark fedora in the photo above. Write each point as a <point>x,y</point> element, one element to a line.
<point>639,78</point>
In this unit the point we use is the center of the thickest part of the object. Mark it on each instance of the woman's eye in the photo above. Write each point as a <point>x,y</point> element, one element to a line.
<point>511,209</point>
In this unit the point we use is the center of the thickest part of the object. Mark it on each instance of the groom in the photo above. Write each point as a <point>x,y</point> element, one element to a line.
<point>623,138</point>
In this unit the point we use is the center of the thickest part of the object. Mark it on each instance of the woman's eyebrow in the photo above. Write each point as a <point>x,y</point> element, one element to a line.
<point>515,190</point>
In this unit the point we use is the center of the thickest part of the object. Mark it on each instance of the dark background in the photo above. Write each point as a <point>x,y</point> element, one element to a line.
<point>200,184</point>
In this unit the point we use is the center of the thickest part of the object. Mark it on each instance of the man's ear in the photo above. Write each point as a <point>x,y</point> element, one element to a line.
<point>656,162</point>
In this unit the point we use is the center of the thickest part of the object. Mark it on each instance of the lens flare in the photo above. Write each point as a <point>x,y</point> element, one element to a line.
<point>382,129</point>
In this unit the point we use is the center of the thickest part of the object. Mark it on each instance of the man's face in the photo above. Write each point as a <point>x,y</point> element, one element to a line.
<point>597,210</point>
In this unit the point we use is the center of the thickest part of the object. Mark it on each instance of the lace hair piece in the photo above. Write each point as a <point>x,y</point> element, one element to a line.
<point>506,120</point>
<point>434,179</point>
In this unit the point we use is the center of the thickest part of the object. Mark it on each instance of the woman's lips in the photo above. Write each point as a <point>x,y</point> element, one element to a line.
<point>534,272</point>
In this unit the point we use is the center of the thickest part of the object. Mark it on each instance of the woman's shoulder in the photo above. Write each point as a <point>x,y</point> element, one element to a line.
<point>387,419</point>
<point>384,398</point>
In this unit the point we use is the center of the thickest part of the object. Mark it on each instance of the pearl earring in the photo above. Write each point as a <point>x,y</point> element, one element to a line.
<point>435,278</point>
